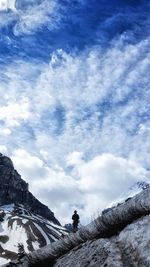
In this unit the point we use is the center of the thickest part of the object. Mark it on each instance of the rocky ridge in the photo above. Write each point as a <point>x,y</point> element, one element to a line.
<point>13,189</point>
<point>118,238</point>
<point>23,218</point>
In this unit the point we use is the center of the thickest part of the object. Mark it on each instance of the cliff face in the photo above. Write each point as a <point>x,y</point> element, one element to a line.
<point>23,219</point>
<point>118,238</point>
<point>12,188</point>
<point>15,190</point>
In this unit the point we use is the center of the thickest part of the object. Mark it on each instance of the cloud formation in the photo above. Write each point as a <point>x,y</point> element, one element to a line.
<point>90,187</point>
<point>74,117</point>
<point>29,15</point>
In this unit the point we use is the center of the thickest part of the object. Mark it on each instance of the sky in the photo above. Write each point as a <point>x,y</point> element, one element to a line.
<point>75,99</point>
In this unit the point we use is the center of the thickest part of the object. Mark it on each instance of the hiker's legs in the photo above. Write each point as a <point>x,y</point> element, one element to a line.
<point>75,226</point>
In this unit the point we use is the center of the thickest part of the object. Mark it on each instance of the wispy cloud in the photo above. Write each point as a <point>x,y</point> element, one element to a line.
<point>101,108</point>
<point>35,16</point>
<point>28,26</point>
<point>29,16</point>
<point>80,117</point>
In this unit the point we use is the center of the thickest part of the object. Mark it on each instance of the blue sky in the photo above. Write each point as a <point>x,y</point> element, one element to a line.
<point>75,99</point>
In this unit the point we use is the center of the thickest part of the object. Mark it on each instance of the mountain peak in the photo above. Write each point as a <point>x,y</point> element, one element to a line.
<point>13,189</point>
<point>5,161</point>
<point>23,218</point>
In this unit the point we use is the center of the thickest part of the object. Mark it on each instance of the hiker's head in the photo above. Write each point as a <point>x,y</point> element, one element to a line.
<point>75,212</point>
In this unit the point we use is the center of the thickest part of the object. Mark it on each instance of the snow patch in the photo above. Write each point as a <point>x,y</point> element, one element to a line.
<point>42,233</point>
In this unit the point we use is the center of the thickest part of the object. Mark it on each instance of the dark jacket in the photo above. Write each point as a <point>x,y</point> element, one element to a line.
<point>75,217</point>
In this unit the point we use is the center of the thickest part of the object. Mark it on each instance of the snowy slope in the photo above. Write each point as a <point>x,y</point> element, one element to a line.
<point>19,225</point>
<point>133,190</point>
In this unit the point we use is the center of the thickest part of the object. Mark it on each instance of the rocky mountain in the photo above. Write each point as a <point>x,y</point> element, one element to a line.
<point>13,189</point>
<point>118,238</point>
<point>23,218</point>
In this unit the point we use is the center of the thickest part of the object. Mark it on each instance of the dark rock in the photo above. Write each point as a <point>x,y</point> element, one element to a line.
<point>128,199</point>
<point>106,210</point>
<point>13,189</point>
<point>2,214</point>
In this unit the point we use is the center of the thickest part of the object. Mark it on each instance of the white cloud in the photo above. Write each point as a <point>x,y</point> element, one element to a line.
<point>99,182</point>
<point>5,131</point>
<point>13,113</point>
<point>75,158</point>
<point>30,15</point>
<point>80,83</point>
<point>3,149</point>
<point>51,185</point>
<point>104,97</point>
<point>103,180</point>
<point>7,4</point>
<point>109,175</point>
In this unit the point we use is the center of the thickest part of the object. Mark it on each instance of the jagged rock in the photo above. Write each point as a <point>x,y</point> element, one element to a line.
<point>119,238</point>
<point>23,218</point>
<point>13,189</point>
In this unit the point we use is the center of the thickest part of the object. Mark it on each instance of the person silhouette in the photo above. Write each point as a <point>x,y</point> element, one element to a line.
<point>75,218</point>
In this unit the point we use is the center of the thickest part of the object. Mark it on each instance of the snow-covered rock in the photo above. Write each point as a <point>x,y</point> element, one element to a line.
<point>20,225</point>
<point>133,190</point>
<point>23,218</point>
<point>118,238</point>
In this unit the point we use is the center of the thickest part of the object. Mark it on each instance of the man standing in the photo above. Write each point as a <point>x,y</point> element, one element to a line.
<point>75,218</point>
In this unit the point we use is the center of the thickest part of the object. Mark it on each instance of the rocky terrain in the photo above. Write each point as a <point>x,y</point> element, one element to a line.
<point>23,219</point>
<point>118,238</point>
<point>13,189</point>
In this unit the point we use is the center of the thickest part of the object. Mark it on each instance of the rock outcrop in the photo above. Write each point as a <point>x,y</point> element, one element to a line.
<point>118,238</point>
<point>23,218</point>
<point>130,248</point>
<point>13,189</point>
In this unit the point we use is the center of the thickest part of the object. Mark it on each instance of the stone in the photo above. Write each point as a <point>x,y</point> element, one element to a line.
<point>13,189</point>
<point>118,238</point>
